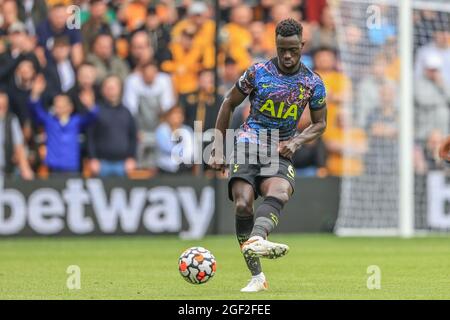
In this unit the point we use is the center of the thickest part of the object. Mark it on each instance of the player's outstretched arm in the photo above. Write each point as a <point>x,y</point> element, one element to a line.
<point>314,131</point>
<point>233,98</point>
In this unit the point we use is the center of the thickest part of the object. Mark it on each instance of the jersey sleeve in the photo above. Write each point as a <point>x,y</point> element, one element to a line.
<point>246,82</point>
<point>318,98</point>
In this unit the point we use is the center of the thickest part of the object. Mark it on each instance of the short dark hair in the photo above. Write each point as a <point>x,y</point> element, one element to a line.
<point>230,60</point>
<point>289,27</point>
<point>33,62</point>
<point>61,41</point>
<point>206,70</point>
<point>64,95</point>
<point>85,64</point>
<point>151,9</point>
<point>111,76</point>
<point>151,63</point>
<point>102,34</point>
<point>324,49</point>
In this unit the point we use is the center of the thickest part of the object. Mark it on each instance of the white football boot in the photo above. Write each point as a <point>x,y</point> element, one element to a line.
<point>256,284</point>
<point>257,247</point>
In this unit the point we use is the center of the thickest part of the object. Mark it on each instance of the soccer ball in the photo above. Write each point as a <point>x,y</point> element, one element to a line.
<point>197,265</point>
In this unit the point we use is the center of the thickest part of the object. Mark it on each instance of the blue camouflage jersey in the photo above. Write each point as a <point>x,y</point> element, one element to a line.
<point>278,99</point>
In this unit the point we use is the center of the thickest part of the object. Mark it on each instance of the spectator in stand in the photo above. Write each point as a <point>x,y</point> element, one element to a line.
<point>86,76</point>
<point>54,26</point>
<point>133,13</point>
<point>61,127</point>
<point>310,159</point>
<point>19,89</point>
<point>200,106</point>
<point>187,61</point>
<point>238,37</point>
<point>198,16</point>
<point>390,52</point>
<point>32,13</point>
<point>225,7</point>
<point>10,15</point>
<point>346,146</point>
<point>384,31</point>
<point>159,35</point>
<point>337,85</point>
<point>171,129</point>
<point>307,53</point>
<point>356,50</point>
<point>231,74</point>
<point>150,84</point>
<point>432,95</point>
<point>112,140</point>
<point>325,34</point>
<point>278,12</point>
<point>431,150</point>
<point>96,24</point>
<point>148,95</point>
<point>367,95</point>
<point>262,10</point>
<point>167,12</point>
<point>440,46</point>
<point>382,156</point>
<point>104,59</point>
<point>258,49</point>
<point>427,157</point>
<point>59,71</point>
<point>85,85</point>
<point>141,51</point>
<point>382,128</point>
<point>12,147</point>
<point>20,47</point>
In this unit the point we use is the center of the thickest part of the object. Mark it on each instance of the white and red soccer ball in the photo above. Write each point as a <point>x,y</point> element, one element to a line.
<point>197,265</point>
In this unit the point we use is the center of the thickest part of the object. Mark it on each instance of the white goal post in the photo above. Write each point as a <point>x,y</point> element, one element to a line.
<point>406,120</point>
<point>388,198</point>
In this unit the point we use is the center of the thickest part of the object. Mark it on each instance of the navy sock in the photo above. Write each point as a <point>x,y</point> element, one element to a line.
<point>267,217</point>
<point>244,226</point>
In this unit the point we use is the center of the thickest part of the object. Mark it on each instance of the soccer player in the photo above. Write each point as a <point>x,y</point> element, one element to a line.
<point>279,90</point>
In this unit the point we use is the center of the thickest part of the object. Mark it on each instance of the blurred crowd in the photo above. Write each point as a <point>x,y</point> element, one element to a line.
<point>98,89</point>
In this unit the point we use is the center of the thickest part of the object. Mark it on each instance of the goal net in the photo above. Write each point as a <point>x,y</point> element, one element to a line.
<point>368,37</point>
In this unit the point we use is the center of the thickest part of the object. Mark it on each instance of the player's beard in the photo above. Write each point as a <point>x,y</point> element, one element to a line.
<point>293,67</point>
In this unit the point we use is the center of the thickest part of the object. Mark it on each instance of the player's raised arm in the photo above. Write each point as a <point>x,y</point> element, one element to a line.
<point>233,98</point>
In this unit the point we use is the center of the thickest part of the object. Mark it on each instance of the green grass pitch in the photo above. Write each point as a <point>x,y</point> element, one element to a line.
<point>317,267</point>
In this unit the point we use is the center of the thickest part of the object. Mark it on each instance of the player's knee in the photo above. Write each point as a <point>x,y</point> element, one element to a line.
<point>282,195</point>
<point>243,207</point>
